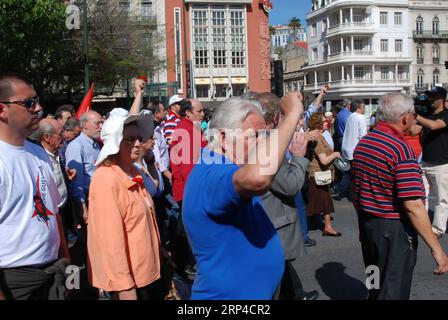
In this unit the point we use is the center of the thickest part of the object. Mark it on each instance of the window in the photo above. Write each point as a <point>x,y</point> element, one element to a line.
<point>420,54</point>
<point>219,47</point>
<point>398,18</point>
<point>221,91</point>
<point>435,77</point>
<point>399,45</point>
<point>238,89</point>
<point>384,73</point>
<point>435,26</point>
<point>237,39</point>
<point>384,45</point>
<point>360,73</point>
<point>383,18</point>
<point>401,75</point>
<point>436,54</point>
<point>146,8</point>
<point>419,26</point>
<point>315,54</point>
<point>313,30</point>
<point>420,75</point>
<point>202,91</point>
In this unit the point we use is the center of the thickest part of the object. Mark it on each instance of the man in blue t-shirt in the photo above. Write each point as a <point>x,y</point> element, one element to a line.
<point>341,121</point>
<point>237,249</point>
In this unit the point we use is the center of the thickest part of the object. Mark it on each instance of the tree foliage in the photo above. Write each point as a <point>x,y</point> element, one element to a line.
<point>121,45</point>
<point>32,42</point>
<point>295,23</point>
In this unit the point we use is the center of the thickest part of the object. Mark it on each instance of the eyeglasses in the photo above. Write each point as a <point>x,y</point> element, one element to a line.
<point>29,103</point>
<point>132,140</point>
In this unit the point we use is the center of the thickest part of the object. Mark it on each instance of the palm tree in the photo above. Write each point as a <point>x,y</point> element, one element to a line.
<point>294,23</point>
<point>272,30</point>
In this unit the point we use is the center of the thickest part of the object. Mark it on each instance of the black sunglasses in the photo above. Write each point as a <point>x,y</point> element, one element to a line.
<point>29,103</point>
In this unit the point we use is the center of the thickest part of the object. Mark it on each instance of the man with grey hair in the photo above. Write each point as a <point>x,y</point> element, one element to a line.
<point>49,135</point>
<point>237,249</point>
<point>280,205</point>
<point>355,129</point>
<point>388,195</point>
<point>81,155</point>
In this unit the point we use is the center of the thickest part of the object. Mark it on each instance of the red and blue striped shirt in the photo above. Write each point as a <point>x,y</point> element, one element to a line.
<point>384,173</point>
<point>169,124</point>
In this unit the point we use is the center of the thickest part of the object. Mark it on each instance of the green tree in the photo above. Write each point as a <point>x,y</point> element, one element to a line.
<point>295,23</point>
<point>272,30</point>
<point>32,42</point>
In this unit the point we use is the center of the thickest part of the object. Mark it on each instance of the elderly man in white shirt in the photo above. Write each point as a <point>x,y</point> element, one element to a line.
<point>355,129</point>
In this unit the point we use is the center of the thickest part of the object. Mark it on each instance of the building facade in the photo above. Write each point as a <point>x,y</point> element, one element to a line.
<point>283,34</point>
<point>293,58</point>
<point>217,49</point>
<point>429,32</point>
<point>360,47</point>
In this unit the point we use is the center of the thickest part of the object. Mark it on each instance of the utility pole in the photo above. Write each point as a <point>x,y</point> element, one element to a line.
<point>86,48</point>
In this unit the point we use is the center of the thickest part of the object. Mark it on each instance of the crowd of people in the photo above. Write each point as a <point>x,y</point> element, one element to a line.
<point>159,191</point>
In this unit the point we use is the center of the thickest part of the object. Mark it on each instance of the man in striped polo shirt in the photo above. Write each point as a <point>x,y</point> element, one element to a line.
<point>388,196</point>
<point>172,118</point>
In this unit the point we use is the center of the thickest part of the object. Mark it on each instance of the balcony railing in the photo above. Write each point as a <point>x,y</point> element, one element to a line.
<point>338,55</point>
<point>429,34</point>
<point>435,60</point>
<point>420,60</point>
<point>342,83</point>
<point>352,26</point>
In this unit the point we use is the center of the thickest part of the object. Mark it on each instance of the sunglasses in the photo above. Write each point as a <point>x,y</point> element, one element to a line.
<point>132,140</point>
<point>29,103</point>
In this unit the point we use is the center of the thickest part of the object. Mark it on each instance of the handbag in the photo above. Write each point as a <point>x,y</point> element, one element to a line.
<point>323,178</point>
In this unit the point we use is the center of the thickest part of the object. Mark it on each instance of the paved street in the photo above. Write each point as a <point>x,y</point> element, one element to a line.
<point>335,268</point>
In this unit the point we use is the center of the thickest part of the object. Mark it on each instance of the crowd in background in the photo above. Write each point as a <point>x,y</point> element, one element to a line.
<point>144,193</point>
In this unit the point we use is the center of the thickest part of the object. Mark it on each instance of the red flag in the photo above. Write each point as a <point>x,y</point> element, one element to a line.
<point>86,103</point>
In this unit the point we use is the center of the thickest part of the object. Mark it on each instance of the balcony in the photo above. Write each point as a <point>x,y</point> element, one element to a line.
<point>420,61</point>
<point>351,28</point>
<point>429,34</point>
<point>435,60</point>
<point>344,54</point>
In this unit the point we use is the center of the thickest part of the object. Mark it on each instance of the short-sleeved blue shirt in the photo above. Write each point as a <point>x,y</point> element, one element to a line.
<point>237,249</point>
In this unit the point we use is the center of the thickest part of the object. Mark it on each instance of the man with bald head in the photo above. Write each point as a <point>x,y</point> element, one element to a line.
<point>30,226</point>
<point>81,155</point>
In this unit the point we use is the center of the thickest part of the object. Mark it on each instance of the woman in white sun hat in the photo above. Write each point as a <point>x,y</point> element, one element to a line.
<point>123,239</point>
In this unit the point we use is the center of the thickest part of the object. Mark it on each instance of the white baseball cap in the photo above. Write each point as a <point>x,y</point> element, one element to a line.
<point>112,131</point>
<point>328,114</point>
<point>175,99</point>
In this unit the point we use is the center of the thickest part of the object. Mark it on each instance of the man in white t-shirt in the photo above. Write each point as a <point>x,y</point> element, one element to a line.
<point>355,129</point>
<point>30,225</point>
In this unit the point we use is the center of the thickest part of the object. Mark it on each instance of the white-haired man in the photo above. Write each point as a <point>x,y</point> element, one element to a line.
<point>237,249</point>
<point>81,155</point>
<point>388,195</point>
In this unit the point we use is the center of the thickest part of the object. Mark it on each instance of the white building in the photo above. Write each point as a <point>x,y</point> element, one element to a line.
<point>429,32</point>
<point>360,47</point>
<point>285,34</point>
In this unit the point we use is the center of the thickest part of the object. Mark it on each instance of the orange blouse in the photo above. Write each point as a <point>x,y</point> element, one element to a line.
<point>123,239</point>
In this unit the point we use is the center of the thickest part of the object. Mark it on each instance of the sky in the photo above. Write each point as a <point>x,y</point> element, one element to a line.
<point>284,10</point>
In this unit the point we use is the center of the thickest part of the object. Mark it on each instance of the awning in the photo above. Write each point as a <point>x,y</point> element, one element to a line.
<point>220,80</point>
<point>241,80</point>
<point>202,81</point>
